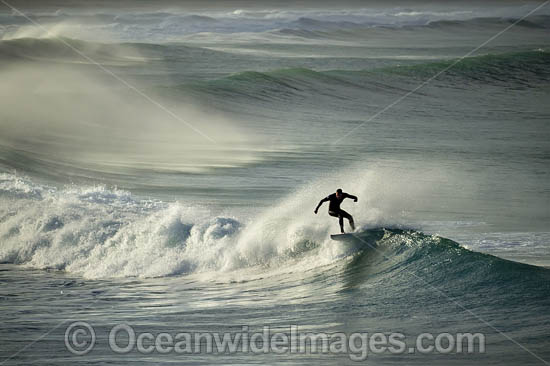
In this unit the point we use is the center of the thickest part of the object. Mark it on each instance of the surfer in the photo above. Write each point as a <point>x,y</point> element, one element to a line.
<point>334,209</point>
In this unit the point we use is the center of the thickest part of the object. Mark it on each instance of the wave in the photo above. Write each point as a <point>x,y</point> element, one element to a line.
<point>305,23</point>
<point>510,68</point>
<point>409,263</point>
<point>76,126</point>
<point>166,26</point>
<point>529,68</point>
<point>99,233</point>
<point>357,31</point>
<point>63,50</point>
<point>535,21</point>
<point>278,85</point>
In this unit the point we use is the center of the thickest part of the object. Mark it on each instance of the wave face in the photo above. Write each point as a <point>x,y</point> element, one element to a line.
<point>395,254</point>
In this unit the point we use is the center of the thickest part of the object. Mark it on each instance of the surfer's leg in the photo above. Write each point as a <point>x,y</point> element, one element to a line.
<point>340,219</point>
<point>347,216</point>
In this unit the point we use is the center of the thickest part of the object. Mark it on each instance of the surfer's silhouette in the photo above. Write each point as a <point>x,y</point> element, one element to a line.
<point>334,209</point>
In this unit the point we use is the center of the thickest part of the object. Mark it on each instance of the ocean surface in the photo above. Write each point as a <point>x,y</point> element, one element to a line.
<point>160,169</point>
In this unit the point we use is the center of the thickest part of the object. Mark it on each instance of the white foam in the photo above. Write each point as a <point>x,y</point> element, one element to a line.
<point>100,232</point>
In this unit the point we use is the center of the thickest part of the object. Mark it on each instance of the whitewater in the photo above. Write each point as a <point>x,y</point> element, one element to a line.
<point>159,167</point>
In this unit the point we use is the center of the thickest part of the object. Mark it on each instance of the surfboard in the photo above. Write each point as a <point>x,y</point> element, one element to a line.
<point>371,235</point>
<point>341,237</point>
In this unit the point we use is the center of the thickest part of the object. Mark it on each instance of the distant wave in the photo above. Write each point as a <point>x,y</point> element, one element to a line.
<point>172,25</point>
<point>534,21</point>
<point>57,49</point>
<point>526,68</point>
<point>510,68</point>
<point>519,68</point>
<point>314,29</point>
<point>77,123</point>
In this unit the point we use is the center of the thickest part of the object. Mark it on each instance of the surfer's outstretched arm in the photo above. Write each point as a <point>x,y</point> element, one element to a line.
<point>351,196</point>
<point>320,203</point>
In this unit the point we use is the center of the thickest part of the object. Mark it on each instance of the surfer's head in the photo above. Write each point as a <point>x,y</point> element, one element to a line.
<point>339,192</point>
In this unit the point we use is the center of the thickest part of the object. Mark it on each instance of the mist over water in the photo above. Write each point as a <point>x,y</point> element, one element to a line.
<point>172,163</point>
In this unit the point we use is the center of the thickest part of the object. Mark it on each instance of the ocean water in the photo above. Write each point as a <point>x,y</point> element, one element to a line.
<point>159,168</point>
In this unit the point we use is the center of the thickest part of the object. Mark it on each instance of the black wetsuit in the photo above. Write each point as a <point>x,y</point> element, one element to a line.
<point>335,210</point>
